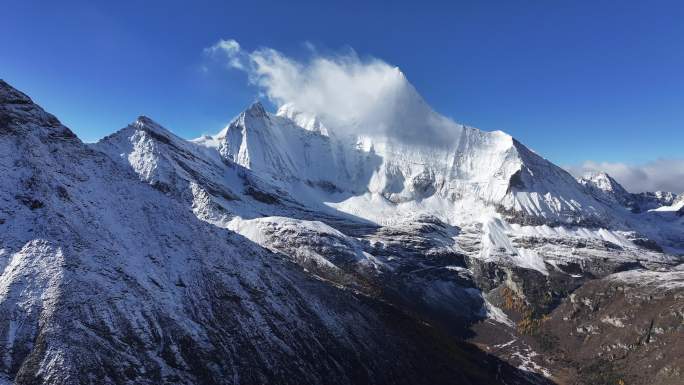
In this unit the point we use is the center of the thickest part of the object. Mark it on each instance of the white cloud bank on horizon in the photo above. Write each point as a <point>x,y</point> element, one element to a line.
<point>661,174</point>
<point>348,94</point>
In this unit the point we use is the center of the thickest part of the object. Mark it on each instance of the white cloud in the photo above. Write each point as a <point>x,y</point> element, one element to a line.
<point>228,47</point>
<point>661,174</point>
<point>347,93</point>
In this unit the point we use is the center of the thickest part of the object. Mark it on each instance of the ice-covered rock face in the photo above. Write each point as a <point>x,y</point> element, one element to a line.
<point>604,188</point>
<point>408,155</point>
<point>603,182</point>
<point>276,146</point>
<point>305,120</point>
<point>20,116</point>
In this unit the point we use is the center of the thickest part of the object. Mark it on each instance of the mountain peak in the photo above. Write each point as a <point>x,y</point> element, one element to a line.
<point>142,119</point>
<point>399,72</point>
<point>256,110</point>
<point>10,95</point>
<point>145,122</point>
<point>602,181</point>
<point>155,129</point>
<point>18,114</point>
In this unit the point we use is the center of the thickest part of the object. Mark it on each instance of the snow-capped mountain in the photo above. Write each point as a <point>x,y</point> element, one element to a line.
<point>677,205</point>
<point>603,187</point>
<point>288,249</point>
<point>454,175</point>
<point>461,175</point>
<point>110,277</point>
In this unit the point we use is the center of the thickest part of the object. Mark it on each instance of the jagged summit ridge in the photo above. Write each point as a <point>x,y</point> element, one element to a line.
<point>467,165</point>
<point>145,121</point>
<point>256,110</point>
<point>606,189</point>
<point>602,181</point>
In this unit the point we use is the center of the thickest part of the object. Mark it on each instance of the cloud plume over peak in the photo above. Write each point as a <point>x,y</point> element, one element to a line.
<point>367,96</point>
<point>349,94</point>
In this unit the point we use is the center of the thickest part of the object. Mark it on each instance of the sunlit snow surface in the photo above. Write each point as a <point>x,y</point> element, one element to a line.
<point>470,177</point>
<point>474,177</point>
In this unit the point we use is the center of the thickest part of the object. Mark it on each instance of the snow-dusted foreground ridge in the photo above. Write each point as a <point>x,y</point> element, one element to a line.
<point>279,251</point>
<point>110,280</point>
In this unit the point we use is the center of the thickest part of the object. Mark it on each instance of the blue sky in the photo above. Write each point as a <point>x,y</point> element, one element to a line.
<point>574,80</point>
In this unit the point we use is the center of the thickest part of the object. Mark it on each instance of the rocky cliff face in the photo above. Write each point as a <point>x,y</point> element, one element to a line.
<point>625,327</point>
